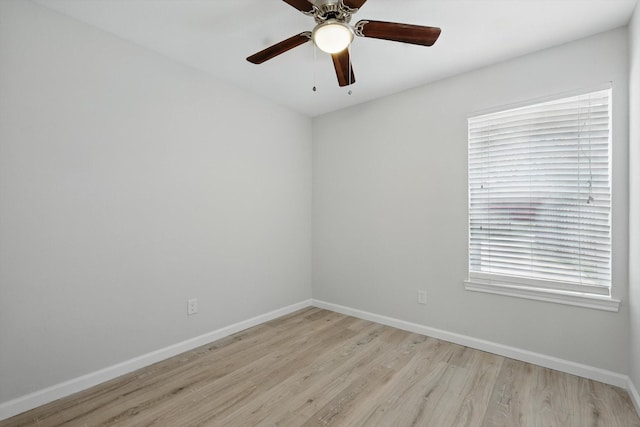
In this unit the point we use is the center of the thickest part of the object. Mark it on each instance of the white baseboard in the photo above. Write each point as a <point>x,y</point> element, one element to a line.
<point>586,371</point>
<point>633,393</point>
<point>49,394</point>
<point>41,397</point>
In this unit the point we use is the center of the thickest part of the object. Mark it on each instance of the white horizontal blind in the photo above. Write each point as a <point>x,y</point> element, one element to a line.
<point>540,196</point>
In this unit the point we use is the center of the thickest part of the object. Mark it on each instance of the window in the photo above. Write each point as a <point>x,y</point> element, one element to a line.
<point>540,201</point>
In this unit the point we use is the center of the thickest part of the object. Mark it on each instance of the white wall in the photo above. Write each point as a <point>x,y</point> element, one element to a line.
<point>128,184</point>
<point>390,206</point>
<point>634,191</point>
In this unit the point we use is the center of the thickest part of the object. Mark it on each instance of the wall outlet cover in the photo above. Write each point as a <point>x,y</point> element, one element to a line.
<point>192,306</point>
<point>422,297</point>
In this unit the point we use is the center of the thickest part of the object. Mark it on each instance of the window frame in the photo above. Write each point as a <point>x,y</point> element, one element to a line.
<point>597,297</point>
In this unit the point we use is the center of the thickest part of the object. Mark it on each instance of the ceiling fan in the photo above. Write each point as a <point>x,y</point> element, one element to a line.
<point>333,33</point>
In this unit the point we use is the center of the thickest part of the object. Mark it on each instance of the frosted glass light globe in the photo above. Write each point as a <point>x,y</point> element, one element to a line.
<point>332,36</point>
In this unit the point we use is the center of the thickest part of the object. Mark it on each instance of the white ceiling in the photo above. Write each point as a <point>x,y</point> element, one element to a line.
<point>217,35</point>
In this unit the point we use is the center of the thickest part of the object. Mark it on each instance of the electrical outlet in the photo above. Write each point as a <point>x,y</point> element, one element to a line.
<point>422,297</point>
<point>192,306</point>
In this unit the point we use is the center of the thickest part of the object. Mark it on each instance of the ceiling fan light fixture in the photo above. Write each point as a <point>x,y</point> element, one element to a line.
<point>332,36</point>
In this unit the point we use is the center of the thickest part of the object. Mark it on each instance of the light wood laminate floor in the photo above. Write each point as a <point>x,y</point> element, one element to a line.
<point>320,368</point>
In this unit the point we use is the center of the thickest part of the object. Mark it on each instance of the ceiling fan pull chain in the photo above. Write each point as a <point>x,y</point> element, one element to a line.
<point>314,67</point>
<point>350,69</point>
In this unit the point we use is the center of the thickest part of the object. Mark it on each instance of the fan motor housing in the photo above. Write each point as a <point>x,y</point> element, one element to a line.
<point>331,9</point>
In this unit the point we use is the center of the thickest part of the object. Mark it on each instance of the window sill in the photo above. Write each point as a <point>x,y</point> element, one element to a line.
<point>599,302</point>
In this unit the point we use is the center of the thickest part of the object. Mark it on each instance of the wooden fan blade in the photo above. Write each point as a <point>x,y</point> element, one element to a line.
<point>354,4</point>
<point>279,48</point>
<point>302,5</point>
<point>344,70</point>
<point>405,33</point>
